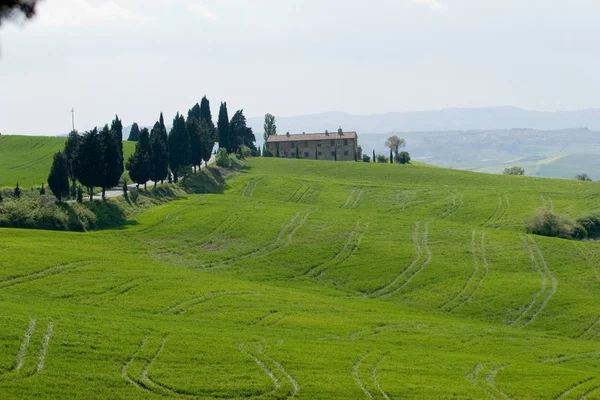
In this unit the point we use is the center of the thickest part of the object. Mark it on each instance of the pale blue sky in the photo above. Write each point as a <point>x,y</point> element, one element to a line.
<point>138,57</point>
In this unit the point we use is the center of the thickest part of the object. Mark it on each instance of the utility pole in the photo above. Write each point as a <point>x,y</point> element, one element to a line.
<point>73,117</point>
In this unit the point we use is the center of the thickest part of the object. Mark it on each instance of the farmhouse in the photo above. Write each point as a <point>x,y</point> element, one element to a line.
<point>339,146</point>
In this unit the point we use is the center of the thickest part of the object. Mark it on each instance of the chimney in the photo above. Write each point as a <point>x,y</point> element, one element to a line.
<point>287,134</point>
<point>326,132</point>
<point>340,131</point>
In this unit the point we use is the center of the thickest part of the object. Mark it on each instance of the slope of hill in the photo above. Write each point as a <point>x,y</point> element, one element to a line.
<point>311,280</point>
<point>27,159</point>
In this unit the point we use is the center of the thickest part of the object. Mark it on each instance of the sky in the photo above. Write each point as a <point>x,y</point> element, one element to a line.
<point>137,58</point>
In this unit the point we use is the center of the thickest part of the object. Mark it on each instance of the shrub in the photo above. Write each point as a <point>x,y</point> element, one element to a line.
<point>546,223</point>
<point>514,171</point>
<point>267,153</point>
<point>403,158</point>
<point>17,192</point>
<point>583,177</point>
<point>223,159</point>
<point>42,190</point>
<point>366,158</point>
<point>382,159</point>
<point>79,194</point>
<point>589,226</point>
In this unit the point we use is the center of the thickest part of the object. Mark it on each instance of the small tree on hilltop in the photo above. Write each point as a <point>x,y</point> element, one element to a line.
<point>134,133</point>
<point>583,177</point>
<point>403,158</point>
<point>111,159</point>
<point>514,171</point>
<point>70,153</point>
<point>179,147</point>
<point>395,143</point>
<point>374,158</point>
<point>391,157</point>
<point>269,126</point>
<point>58,179</point>
<point>89,167</point>
<point>158,156</point>
<point>117,128</point>
<point>223,127</point>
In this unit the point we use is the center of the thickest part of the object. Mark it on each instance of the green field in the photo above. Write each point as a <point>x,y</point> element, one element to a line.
<point>27,159</point>
<point>311,280</point>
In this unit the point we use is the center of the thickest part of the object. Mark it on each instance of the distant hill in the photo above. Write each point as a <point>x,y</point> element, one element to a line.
<point>438,120</point>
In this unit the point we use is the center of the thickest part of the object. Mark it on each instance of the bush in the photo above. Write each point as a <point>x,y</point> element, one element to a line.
<point>583,177</point>
<point>223,159</point>
<point>514,171</point>
<point>382,159</point>
<point>366,158</point>
<point>589,226</point>
<point>245,152</point>
<point>403,158</point>
<point>267,153</point>
<point>546,223</point>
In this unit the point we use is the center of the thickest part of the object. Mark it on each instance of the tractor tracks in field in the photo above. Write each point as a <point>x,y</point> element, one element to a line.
<point>422,258</point>
<point>456,202</point>
<point>547,202</point>
<point>142,379</point>
<point>473,282</point>
<point>542,297</point>
<point>55,270</point>
<point>282,239</point>
<point>574,389</point>
<point>582,389</point>
<point>301,193</point>
<point>272,318</point>
<point>348,250</point>
<point>250,187</point>
<point>188,304</point>
<point>21,357</point>
<point>353,198</point>
<point>381,393</point>
<point>503,206</point>
<point>487,383</point>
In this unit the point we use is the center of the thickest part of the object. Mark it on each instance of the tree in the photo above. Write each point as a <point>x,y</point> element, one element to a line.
<point>391,157</point>
<point>223,127</point>
<point>117,128</point>
<point>179,147</point>
<point>395,143</point>
<point>43,189</point>
<point>58,179</point>
<point>111,159</point>
<point>164,137</point>
<point>403,158</point>
<point>134,134</point>
<point>205,114</point>
<point>70,153</point>
<point>514,171</point>
<point>240,134</point>
<point>89,164</point>
<point>17,192</point>
<point>207,139</point>
<point>139,164</point>
<point>10,9</point>
<point>583,177</point>
<point>193,123</point>
<point>159,158</point>
<point>374,158</point>
<point>270,127</point>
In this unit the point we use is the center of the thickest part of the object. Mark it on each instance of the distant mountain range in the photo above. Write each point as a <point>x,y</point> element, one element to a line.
<point>450,119</point>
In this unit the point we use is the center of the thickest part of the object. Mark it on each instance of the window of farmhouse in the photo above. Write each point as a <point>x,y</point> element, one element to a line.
<point>306,154</point>
<point>292,145</point>
<point>318,144</point>
<point>320,153</point>
<point>345,142</point>
<point>345,153</point>
<point>333,143</point>
<point>333,154</point>
<point>305,144</point>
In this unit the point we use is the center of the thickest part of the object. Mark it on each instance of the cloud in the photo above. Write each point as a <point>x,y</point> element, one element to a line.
<point>202,11</point>
<point>436,5</point>
<point>70,13</point>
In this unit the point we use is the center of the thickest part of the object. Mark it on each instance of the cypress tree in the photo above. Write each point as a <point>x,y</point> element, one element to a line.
<point>117,128</point>
<point>43,190</point>
<point>297,152</point>
<point>193,123</point>
<point>179,146</point>
<point>17,192</point>
<point>158,155</point>
<point>223,127</point>
<point>111,159</point>
<point>374,159</point>
<point>139,164</point>
<point>58,179</point>
<point>240,134</point>
<point>89,165</point>
<point>208,132</point>
<point>164,137</point>
<point>205,114</point>
<point>70,153</point>
<point>134,134</point>
<point>391,157</point>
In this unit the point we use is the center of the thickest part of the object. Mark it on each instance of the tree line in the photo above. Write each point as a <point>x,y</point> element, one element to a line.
<point>95,158</point>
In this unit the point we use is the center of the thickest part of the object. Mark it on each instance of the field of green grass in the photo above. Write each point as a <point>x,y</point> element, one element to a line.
<point>311,280</point>
<point>27,159</point>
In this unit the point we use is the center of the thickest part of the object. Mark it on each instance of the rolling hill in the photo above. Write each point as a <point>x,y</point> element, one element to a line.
<point>311,280</point>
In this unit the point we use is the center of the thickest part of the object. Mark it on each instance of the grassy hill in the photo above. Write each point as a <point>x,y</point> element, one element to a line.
<point>311,280</point>
<point>27,159</point>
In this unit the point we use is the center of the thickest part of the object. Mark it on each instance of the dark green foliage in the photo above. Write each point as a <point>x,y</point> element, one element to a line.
<point>1,198</point>
<point>79,194</point>
<point>583,177</point>
<point>223,127</point>
<point>58,179</point>
<point>223,159</point>
<point>403,157</point>
<point>590,227</point>
<point>259,152</point>
<point>117,128</point>
<point>17,192</point>
<point>125,188</point>
<point>270,127</point>
<point>70,152</point>
<point>179,147</point>
<point>382,159</point>
<point>139,164</point>
<point>546,223</point>
<point>208,132</point>
<point>374,158</point>
<point>297,152</point>
<point>278,152</point>
<point>134,134</point>
<point>205,114</point>
<point>366,158</point>
<point>514,171</point>
<point>158,156</point>
<point>111,159</point>
<point>266,152</point>
<point>43,190</point>
<point>193,129</point>
<point>89,165</point>
<point>334,154</point>
<point>391,157</point>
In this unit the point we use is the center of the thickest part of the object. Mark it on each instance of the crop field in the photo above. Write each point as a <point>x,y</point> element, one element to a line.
<point>312,280</point>
<point>27,159</point>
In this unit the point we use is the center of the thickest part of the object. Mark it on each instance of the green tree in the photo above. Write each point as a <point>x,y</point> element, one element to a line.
<point>374,158</point>
<point>583,177</point>
<point>179,147</point>
<point>403,157</point>
<point>207,139</point>
<point>514,171</point>
<point>223,127</point>
<point>17,192</point>
<point>117,128</point>
<point>139,164</point>
<point>111,159</point>
<point>134,134</point>
<point>270,127</point>
<point>70,153</point>
<point>43,190</point>
<point>391,157</point>
<point>158,156</point>
<point>193,125</point>
<point>395,143</point>
<point>205,114</point>
<point>58,179</point>
<point>240,134</point>
<point>89,164</point>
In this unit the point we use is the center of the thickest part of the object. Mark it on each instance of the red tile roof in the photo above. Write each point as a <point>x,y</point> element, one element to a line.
<point>311,136</point>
